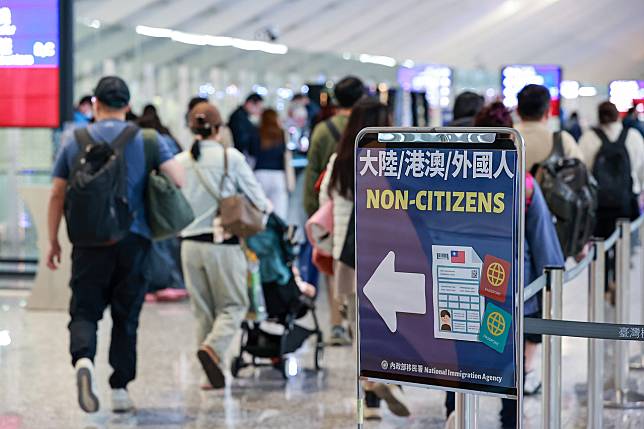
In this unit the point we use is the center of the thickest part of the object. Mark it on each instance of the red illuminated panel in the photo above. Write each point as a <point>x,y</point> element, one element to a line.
<point>29,97</point>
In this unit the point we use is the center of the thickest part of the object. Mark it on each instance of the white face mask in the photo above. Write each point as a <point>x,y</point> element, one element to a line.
<point>299,113</point>
<point>254,119</point>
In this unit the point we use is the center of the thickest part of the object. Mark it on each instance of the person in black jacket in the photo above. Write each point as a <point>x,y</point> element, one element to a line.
<point>243,125</point>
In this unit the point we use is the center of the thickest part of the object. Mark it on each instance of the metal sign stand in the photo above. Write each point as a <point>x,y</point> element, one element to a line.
<point>359,392</point>
<point>466,411</point>
<point>466,406</point>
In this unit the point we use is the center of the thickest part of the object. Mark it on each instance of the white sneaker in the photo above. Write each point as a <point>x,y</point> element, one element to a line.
<point>87,397</point>
<point>450,423</point>
<point>393,397</point>
<point>121,402</point>
<point>531,383</point>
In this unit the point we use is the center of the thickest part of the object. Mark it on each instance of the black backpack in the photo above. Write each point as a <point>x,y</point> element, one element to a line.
<point>96,204</point>
<point>612,170</point>
<point>571,194</point>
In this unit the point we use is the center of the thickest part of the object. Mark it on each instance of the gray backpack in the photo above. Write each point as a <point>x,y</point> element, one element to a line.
<point>571,194</point>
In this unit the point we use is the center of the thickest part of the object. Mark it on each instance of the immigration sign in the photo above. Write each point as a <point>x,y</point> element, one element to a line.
<point>438,258</point>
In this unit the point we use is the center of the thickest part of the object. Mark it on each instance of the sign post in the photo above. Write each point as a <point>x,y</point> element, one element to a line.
<point>439,262</point>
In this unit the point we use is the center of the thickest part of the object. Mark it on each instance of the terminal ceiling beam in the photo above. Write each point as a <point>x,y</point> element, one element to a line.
<point>288,15</point>
<point>120,41</point>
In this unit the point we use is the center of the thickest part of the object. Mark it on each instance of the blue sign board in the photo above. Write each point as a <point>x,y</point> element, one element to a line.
<point>438,227</point>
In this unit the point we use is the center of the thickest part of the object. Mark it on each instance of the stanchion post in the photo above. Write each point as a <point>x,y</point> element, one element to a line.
<point>639,365</point>
<point>624,398</point>
<point>622,279</point>
<point>596,285</point>
<point>466,411</point>
<point>552,309</point>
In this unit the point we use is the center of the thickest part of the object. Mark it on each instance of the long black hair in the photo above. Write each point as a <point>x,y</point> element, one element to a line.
<point>366,113</point>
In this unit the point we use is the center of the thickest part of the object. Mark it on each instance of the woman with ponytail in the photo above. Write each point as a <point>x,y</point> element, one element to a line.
<point>214,265</point>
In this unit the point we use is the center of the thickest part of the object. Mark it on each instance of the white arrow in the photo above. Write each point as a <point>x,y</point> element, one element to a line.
<point>392,292</point>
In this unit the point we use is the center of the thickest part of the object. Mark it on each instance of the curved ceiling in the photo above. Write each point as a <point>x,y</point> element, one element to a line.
<point>594,40</point>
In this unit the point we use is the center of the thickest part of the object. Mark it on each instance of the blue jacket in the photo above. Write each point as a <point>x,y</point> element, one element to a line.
<point>541,244</point>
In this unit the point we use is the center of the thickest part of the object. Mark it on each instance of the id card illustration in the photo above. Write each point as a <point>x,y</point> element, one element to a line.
<point>458,304</point>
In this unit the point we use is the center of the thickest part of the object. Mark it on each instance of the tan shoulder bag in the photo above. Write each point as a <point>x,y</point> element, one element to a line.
<point>237,214</point>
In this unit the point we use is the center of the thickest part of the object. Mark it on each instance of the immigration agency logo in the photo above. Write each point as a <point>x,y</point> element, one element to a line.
<point>384,365</point>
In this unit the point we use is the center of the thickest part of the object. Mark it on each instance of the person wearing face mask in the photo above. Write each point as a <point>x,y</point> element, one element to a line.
<point>298,122</point>
<point>83,112</point>
<point>243,124</point>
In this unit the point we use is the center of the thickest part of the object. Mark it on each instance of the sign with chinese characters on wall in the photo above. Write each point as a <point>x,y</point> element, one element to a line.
<point>29,63</point>
<point>437,261</point>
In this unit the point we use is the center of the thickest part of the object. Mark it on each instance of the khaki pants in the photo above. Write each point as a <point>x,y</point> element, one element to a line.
<point>216,277</point>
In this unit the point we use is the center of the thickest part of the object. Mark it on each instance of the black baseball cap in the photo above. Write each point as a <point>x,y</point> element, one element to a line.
<point>112,91</point>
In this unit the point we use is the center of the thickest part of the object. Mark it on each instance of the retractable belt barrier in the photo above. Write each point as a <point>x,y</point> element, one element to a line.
<point>553,328</point>
<point>569,328</point>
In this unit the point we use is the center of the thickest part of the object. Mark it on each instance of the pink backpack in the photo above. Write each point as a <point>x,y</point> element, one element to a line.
<point>319,230</point>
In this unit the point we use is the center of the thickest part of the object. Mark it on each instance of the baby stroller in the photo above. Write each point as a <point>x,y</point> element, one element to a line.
<point>285,304</point>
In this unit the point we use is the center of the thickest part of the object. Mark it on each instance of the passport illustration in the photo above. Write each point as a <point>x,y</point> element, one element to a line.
<point>495,327</point>
<point>495,278</point>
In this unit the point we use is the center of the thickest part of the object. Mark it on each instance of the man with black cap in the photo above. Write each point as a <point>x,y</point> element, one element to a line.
<point>110,274</point>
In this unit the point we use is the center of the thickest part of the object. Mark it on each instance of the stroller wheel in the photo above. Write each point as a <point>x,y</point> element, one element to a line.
<point>236,365</point>
<point>288,367</point>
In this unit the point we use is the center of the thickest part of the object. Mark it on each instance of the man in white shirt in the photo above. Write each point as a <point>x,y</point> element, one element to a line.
<point>609,123</point>
<point>534,111</point>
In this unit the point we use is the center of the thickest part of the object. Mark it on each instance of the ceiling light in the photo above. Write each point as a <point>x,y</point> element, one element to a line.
<point>587,91</point>
<point>209,40</point>
<point>378,59</point>
<point>569,89</point>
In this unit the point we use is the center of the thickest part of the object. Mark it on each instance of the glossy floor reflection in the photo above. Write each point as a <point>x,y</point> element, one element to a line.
<point>37,388</point>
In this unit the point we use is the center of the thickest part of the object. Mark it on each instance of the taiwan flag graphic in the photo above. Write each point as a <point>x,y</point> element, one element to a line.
<point>458,256</point>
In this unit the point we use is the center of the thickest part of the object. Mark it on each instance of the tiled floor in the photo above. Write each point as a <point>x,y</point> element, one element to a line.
<point>37,388</point>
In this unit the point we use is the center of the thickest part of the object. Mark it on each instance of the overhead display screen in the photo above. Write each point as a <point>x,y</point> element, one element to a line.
<point>435,80</point>
<point>29,63</point>
<point>515,77</point>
